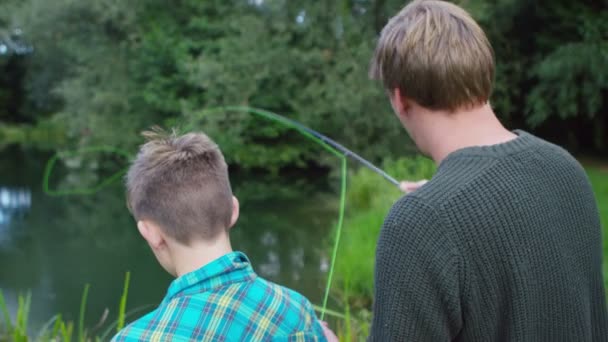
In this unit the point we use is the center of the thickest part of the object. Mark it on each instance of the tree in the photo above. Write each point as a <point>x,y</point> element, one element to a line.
<point>550,60</point>
<point>106,64</point>
<point>570,70</point>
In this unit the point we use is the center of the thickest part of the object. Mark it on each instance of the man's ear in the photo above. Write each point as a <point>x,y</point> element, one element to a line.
<point>151,233</point>
<point>399,102</point>
<point>235,212</point>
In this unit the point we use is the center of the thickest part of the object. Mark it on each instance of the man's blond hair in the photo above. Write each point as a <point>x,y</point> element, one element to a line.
<point>437,55</point>
<point>181,183</point>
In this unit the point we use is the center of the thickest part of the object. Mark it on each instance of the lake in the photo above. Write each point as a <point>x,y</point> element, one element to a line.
<point>53,245</point>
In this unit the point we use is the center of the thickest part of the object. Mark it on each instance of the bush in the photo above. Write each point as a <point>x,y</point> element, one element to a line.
<point>369,198</point>
<point>599,181</point>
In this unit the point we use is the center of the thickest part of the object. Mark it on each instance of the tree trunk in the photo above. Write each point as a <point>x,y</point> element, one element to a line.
<point>379,15</point>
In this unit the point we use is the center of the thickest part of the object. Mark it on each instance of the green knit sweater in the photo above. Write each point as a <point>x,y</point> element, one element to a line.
<point>503,244</point>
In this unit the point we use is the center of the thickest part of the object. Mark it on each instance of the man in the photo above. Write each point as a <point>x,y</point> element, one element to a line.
<point>504,242</point>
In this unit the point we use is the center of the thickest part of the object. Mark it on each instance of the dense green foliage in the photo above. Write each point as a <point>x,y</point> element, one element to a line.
<point>599,180</point>
<point>105,64</point>
<point>550,57</point>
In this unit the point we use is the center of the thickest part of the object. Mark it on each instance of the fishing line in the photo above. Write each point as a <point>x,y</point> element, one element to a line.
<point>337,237</point>
<point>327,143</point>
<point>82,191</point>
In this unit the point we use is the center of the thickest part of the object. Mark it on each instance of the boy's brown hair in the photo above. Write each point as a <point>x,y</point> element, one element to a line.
<point>181,183</point>
<point>437,55</point>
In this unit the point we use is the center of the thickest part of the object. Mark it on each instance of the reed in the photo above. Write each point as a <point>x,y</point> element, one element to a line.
<point>14,328</point>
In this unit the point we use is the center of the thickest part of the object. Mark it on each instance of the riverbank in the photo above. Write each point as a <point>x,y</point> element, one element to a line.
<point>599,180</point>
<point>43,136</point>
<point>16,329</point>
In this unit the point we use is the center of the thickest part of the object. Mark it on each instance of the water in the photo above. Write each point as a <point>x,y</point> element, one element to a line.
<point>53,246</point>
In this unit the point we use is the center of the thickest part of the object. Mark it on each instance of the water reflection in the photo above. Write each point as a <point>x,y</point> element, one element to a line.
<point>14,203</point>
<point>56,246</point>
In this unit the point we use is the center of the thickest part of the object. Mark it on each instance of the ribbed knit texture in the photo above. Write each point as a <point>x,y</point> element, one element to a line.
<point>503,244</point>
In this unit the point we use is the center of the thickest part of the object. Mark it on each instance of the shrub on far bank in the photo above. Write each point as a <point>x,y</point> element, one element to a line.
<point>369,198</point>
<point>599,180</point>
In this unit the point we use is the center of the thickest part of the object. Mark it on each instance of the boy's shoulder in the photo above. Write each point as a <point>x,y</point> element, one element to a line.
<point>243,311</point>
<point>138,330</point>
<point>281,293</point>
<point>283,310</point>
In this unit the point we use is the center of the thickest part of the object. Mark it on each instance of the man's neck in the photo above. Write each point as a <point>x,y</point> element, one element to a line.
<point>467,128</point>
<point>198,254</point>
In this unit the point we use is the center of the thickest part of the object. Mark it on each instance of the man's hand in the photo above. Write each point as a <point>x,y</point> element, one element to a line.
<point>329,335</point>
<point>408,187</point>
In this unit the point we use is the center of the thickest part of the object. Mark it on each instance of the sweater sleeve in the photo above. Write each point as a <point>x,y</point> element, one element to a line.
<point>416,285</point>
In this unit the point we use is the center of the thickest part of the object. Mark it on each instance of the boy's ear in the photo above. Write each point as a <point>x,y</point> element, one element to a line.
<point>399,102</point>
<point>235,212</point>
<point>151,233</point>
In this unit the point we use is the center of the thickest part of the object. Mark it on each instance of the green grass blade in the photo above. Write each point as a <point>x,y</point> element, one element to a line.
<point>19,314</point>
<point>349,328</point>
<point>66,331</point>
<point>83,305</point>
<point>26,313</point>
<point>57,326</point>
<point>5,314</point>
<point>132,312</point>
<point>123,303</point>
<point>45,328</point>
<point>23,311</point>
<point>329,312</point>
<point>63,330</point>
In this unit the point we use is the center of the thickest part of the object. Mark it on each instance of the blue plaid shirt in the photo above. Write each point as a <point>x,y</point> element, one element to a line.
<point>226,301</point>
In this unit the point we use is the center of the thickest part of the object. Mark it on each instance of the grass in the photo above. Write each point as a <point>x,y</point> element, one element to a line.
<point>16,330</point>
<point>599,181</point>
<point>123,303</point>
<point>369,199</point>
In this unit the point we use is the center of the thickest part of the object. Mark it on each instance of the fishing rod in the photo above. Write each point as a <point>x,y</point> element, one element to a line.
<point>346,152</point>
<point>304,129</point>
<point>331,145</point>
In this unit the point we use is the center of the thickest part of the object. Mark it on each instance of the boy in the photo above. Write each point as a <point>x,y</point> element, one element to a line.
<point>179,192</point>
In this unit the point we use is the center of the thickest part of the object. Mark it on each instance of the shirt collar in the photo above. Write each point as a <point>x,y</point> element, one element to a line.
<point>230,268</point>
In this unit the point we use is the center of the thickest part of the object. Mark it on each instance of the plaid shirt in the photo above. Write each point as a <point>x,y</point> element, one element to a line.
<point>226,301</point>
